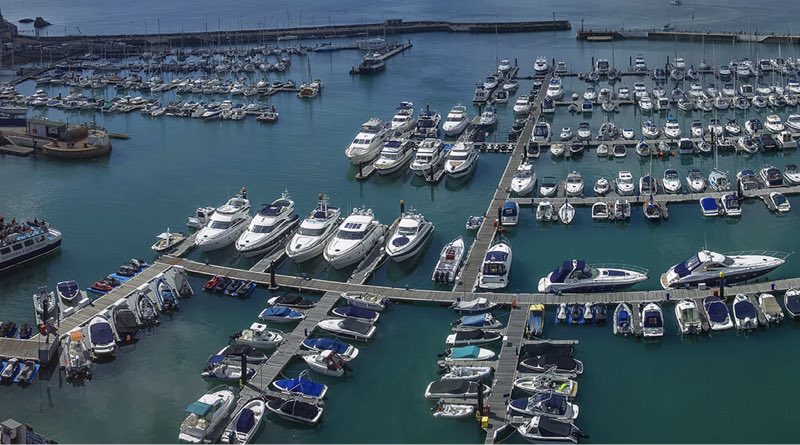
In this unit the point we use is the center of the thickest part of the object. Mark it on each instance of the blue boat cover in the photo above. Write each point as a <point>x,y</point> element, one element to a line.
<point>744,309</point>
<point>473,320</point>
<point>215,359</point>
<point>793,304</point>
<point>708,203</point>
<point>652,319</point>
<point>496,256</point>
<point>624,317</point>
<point>465,352</point>
<point>278,311</point>
<point>357,312</point>
<point>400,241</point>
<point>327,344</point>
<point>68,288</point>
<point>302,386</point>
<point>246,422</point>
<point>685,268</point>
<point>199,408</point>
<point>717,311</point>
<point>510,206</point>
<point>561,274</point>
<point>101,333</point>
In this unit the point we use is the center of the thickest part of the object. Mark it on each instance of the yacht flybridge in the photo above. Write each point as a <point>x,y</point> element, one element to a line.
<point>226,224</point>
<point>577,276</point>
<point>356,236</point>
<point>268,227</point>
<point>706,268</point>
<point>368,142</point>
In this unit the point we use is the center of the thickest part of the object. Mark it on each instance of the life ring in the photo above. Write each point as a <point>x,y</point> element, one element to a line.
<point>33,130</point>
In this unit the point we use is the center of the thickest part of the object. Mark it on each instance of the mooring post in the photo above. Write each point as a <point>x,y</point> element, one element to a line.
<point>272,284</point>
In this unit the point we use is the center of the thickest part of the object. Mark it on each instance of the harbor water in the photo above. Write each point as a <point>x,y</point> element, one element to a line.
<point>725,387</point>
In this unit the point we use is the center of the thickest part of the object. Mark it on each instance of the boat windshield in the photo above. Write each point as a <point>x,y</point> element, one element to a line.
<point>778,199</point>
<point>494,269</point>
<point>455,118</point>
<point>459,156</point>
<point>262,229</point>
<point>219,224</point>
<point>523,174</point>
<point>308,231</point>
<point>423,157</point>
<point>406,230</point>
<point>348,235</point>
<point>361,141</point>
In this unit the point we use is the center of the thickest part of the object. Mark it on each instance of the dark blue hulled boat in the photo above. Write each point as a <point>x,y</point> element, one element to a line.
<point>357,313</point>
<point>301,385</point>
<point>27,372</point>
<point>344,350</point>
<point>280,314</point>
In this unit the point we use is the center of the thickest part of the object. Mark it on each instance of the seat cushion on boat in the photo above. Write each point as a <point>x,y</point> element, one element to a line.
<point>246,421</point>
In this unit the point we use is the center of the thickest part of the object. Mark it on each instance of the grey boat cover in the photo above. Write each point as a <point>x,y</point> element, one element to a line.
<point>455,387</point>
<point>356,326</point>
<point>793,304</point>
<point>295,408</point>
<point>477,334</point>
<point>717,311</point>
<point>553,428</point>
<point>125,320</point>
<point>744,309</point>
<point>549,349</point>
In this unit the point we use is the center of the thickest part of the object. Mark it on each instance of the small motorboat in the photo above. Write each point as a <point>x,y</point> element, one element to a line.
<point>652,321</point>
<point>744,313</point>
<point>547,383</point>
<point>455,389</point>
<point>718,315</point>
<point>548,186</point>
<point>468,353</point>
<point>245,423</point>
<point>167,241</point>
<point>695,181</point>
<point>452,411</point>
<point>460,372</point>
<point>561,314</point>
<point>709,206</point>
<point>301,385</point>
<point>688,317</point>
<point>281,314</point>
<point>482,321</point>
<point>535,324</point>
<point>550,405</point>
<point>100,336</point>
<point>792,174</point>
<point>409,237</point>
<point>474,222</point>
<point>357,313</point>
<point>226,368</point>
<point>779,202</point>
<point>622,320</point>
<point>542,429</point>
<point>566,213</point>
<point>474,337</point>
<point>476,305</point>
<point>509,214</point>
<point>557,150</point>
<point>348,328</point>
<point>450,259</point>
<point>10,368</point>
<point>556,363</point>
<point>75,358</point>
<point>291,300</point>
<point>671,181</point>
<point>602,151</point>
<point>624,183</point>
<point>600,211</point>
<point>346,351</point>
<point>524,179</point>
<point>619,151</point>
<point>546,212</point>
<point>259,337</point>
<point>45,300</point>
<point>28,370</point>
<point>574,184</point>
<point>731,204</point>
<point>602,186</point>
<point>206,414</point>
<point>68,291</point>
<point>326,363</point>
<point>772,310</point>
<point>366,300</point>
<point>296,410</point>
<point>791,299</point>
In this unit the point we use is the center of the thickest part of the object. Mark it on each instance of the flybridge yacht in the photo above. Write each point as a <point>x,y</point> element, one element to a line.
<point>496,265</point>
<point>456,121</point>
<point>356,236</point>
<point>226,224</point>
<point>368,142</point>
<point>429,156</point>
<point>409,237</point>
<point>404,117</point>
<point>577,276</point>
<point>461,160</point>
<point>706,267</point>
<point>315,230</point>
<point>269,225</point>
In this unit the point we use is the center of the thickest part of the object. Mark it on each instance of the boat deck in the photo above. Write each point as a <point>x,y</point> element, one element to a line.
<point>185,247</point>
<point>705,325</point>
<point>636,318</point>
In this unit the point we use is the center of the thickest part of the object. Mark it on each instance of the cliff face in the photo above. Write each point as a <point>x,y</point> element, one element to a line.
<point>8,30</point>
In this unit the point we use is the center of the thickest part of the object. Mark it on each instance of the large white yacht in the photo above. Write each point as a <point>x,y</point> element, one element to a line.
<point>577,276</point>
<point>368,142</point>
<point>225,225</point>
<point>27,241</point>
<point>428,157</point>
<point>356,236</point>
<point>706,267</point>
<point>555,90</point>
<point>461,160</point>
<point>524,179</point>
<point>207,414</point>
<point>314,232</point>
<point>456,121</point>
<point>541,66</point>
<point>496,267</point>
<point>404,117</point>
<point>409,238</point>
<point>268,227</point>
<point>395,154</point>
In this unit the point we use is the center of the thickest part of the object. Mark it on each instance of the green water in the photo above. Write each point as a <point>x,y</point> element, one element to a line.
<point>728,387</point>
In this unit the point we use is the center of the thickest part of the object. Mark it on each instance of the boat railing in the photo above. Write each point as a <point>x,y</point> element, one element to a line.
<point>630,267</point>
<point>773,253</point>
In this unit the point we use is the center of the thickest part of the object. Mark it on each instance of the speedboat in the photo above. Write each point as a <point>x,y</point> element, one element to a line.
<point>718,180</point>
<point>463,372</point>
<point>356,236</point>
<point>206,414</point>
<point>541,132</point>
<point>245,423</point>
<point>584,131</point>
<point>291,300</point>
<point>709,206</point>
<point>167,240</point>
<point>793,123</point>
<point>575,276</point>
<point>449,263</point>
<point>551,405</point>
<point>357,313</point>
<point>625,183</point>
<point>555,90</point>
<point>314,232</point>
<point>44,300</point>
<point>732,128</point>
<point>753,126</point>
<point>566,213</point>
<point>366,300</point>
<point>296,410</point>
<point>718,315</point>
<point>620,210</point>
<point>792,174</point>
<point>301,385</point>
<point>480,321</point>
<point>772,310</point>
<point>225,368</point>
<point>461,160</point>
<point>548,186</point>
<point>326,363</point>
<point>688,317</point>
<point>259,337</point>
<point>731,204</point>
<point>779,202</point>
<point>468,353</point>
<point>650,130</point>
<point>542,429</point>
<point>368,142</point>
<point>474,306</point>
<point>348,328</point>
<point>671,181</point>
<point>695,181</point>
<point>747,144</point>
<point>744,313</point>
<point>602,186</point>
<point>225,225</point>
<point>488,118</point>
<point>509,214</point>
<point>394,156</point>
<point>557,363</point>
<point>652,321</point>
<point>566,134</point>
<point>100,336</point>
<point>457,120</point>
<point>346,351</point>
<point>281,314</point>
<point>468,338</point>
<point>791,299</point>
<point>705,267</point>
<point>547,383</point>
<point>541,66</point>
<point>522,106</point>
<point>496,267</point>
<point>504,66</point>
<point>270,225</point>
<point>647,185</point>
<point>774,124</point>
<point>574,184</point>
<point>462,389</point>
<point>524,179</point>
<point>771,176</point>
<point>404,117</point>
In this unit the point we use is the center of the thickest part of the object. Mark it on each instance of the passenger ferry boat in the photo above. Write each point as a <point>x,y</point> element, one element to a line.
<point>23,242</point>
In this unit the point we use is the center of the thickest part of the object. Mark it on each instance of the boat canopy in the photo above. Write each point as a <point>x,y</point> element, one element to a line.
<point>199,408</point>
<point>652,319</point>
<point>553,428</point>
<point>101,333</point>
<point>465,352</point>
<point>356,326</point>
<point>237,350</point>
<point>246,421</point>
<point>451,387</point>
<point>709,204</point>
<point>215,360</point>
<point>357,312</point>
<point>475,320</point>
<point>496,256</point>
<point>744,309</point>
<point>327,343</point>
<point>302,385</point>
<point>278,311</point>
<point>717,311</point>
<point>560,275</point>
<point>67,288</point>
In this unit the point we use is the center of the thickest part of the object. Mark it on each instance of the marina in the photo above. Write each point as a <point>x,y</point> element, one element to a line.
<point>514,324</point>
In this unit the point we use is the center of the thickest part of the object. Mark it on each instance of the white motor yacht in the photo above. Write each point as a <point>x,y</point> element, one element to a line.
<point>456,121</point>
<point>695,181</point>
<point>541,66</point>
<point>409,237</point>
<point>522,106</point>
<point>488,118</point>
<point>268,227</point>
<point>671,129</point>
<point>578,277</point>
<point>225,225</point>
<point>368,142</point>
<point>504,66</point>
<point>574,184</point>
<point>706,267</point>
<point>404,117</point>
<point>541,132</point>
<point>395,155</point>
<point>625,185</point>
<point>314,232</point>
<point>774,124</point>
<point>461,160</point>
<point>671,181</point>
<point>207,414</point>
<point>555,90</point>
<point>524,179</point>
<point>428,158</point>
<point>496,267</point>
<point>356,236</point>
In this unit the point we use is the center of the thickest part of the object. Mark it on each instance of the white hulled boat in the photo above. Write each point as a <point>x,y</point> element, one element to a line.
<point>403,118</point>
<point>496,267</point>
<point>356,236</point>
<point>449,263</point>
<point>368,142</point>
<point>456,121</point>
<point>524,179</point>
<point>461,160</point>
<point>225,225</point>
<point>705,267</point>
<point>268,227</point>
<point>578,277</point>
<point>428,158</point>
<point>409,238</point>
<point>394,155</point>
<point>314,232</point>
